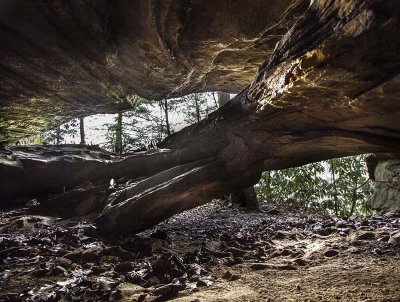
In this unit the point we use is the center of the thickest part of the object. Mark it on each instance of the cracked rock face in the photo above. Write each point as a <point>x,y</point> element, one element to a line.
<point>387,186</point>
<point>61,60</point>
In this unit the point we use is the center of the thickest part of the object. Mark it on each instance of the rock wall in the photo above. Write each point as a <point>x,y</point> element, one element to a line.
<point>387,185</point>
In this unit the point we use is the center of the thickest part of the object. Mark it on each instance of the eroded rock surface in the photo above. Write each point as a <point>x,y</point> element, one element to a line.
<point>60,60</point>
<point>387,185</point>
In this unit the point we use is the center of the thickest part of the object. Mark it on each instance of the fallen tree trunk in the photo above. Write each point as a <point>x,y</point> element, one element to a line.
<point>330,89</point>
<point>37,171</point>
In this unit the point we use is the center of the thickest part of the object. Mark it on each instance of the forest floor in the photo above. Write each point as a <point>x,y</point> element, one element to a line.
<point>213,253</point>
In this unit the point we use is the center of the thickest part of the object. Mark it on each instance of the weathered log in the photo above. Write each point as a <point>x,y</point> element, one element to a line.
<point>36,171</point>
<point>81,201</point>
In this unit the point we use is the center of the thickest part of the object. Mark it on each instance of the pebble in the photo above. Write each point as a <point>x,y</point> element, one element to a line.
<point>90,255</point>
<point>230,276</point>
<point>74,256</point>
<point>262,266</point>
<point>395,238</point>
<point>124,267</point>
<point>59,271</point>
<point>237,252</point>
<point>64,262</point>
<point>331,253</point>
<point>300,261</point>
<point>279,235</point>
<point>204,282</point>
<point>366,236</point>
<point>168,290</point>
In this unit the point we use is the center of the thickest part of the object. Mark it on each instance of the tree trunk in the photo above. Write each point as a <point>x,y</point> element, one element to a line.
<point>161,122</point>
<point>223,98</point>
<point>353,198</point>
<point>82,130</point>
<point>330,89</point>
<point>58,135</point>
<point>118,135</point>
<point>335,193</point>
<point>166,117</point>
<point>197,106</point>
<point>215,99</point>
<point>247,197</point>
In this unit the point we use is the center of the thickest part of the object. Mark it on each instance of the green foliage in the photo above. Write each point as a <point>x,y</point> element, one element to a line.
<point>141,128</point>
<point>294,184</point>
<point>350,189</point>
<point>58,135</point>
<point>338,185</point>
<point>148,124</point>
<point>197,106</point>
<point>33,140</point>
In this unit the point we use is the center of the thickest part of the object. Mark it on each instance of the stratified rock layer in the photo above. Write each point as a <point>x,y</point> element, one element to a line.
<point>387,186</point>
<point>66,59</point>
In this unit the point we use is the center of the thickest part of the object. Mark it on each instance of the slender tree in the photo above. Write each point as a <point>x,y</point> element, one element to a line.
<point>82,130</point>
<point>166,116</point>
<point>215,98</point>
<point>58,135</point>
<point>335,191</point>
<point>118,148</point>
<point>161,122</point>
<point>223,98</point>
<point>197,106</point>
<point>354,197</point>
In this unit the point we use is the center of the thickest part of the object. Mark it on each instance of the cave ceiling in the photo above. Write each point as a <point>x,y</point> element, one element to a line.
<point>66,59</point>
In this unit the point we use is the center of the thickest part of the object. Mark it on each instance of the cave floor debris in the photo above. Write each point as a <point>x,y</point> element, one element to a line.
<point>216,252</point>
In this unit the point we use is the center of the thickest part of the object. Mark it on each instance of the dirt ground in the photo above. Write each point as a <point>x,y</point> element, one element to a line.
<point>213,253</point>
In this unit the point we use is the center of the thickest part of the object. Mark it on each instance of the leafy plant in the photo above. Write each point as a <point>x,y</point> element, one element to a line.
<point>338,185</point>
<point>59,134</point>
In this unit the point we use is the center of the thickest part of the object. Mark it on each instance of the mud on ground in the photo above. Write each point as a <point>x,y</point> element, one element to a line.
<point>213,253</point>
